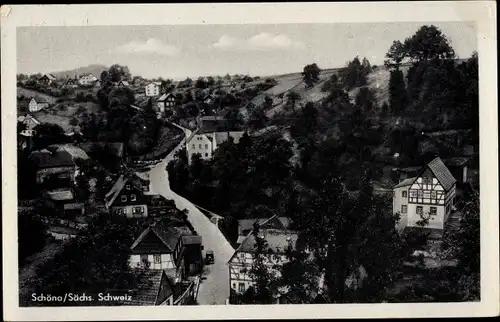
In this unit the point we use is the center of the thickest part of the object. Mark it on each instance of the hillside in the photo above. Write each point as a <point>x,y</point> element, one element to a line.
<point>91,69</point>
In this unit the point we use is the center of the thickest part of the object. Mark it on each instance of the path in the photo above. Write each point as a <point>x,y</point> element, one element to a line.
<point>215,288</point>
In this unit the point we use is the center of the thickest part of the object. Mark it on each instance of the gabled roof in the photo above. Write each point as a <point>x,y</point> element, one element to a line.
<point>164,97</point>
<point>145,286</point>
<point>49,76</point>
<point>124,83</point>
<point>169,236</point>
<point>406,182</point>
<point>110,197</point>
<point>443,175</point>
<point>277,240</point>
<point>74,151</point>
<point>275,221</point>
<point>39,100</point>
<point>26,118</point>
<point>47,159</point>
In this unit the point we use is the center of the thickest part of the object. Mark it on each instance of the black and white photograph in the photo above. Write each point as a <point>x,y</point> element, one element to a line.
<point>233,164</point>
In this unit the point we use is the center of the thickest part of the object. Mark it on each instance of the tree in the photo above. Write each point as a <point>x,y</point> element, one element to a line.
<point>395,55</point>
<point>311,74</point>
<point>428,43</point>
<point>118,72</point>
<point>258,118</point>
<point>32,235</point>
<point>263,288</point>
<point>365,99</point>
<point>398,99</point>
<point>201,83</point>
<point>469,250</point>
<point>292,98</point>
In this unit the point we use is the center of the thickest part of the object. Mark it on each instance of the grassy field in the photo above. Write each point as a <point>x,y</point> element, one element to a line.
<point>28,93</point>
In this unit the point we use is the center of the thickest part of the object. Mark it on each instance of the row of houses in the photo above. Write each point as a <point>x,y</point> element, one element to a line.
<point>425,202</point>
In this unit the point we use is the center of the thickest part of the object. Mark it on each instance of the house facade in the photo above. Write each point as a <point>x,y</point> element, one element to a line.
<point>165,102</point>
<point>30,123</point>
<point>54,165</point>
<point>168,248</point>
<point>70,83</point>
<point>152,89</point>
<point>126,199</point>
<point>240,263</point>
<point>47,79</point>
<point>205,144</point>
<point>87,80</point>
<point>430,196</point>
<point>36,105</point>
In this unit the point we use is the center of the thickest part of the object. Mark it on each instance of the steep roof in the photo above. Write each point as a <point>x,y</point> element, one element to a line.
<point>442,173</point>
<point>277,240</point>
<point>164,97</point>
<point>26,118</point>
<point>49,76</point>
<point>74,151</point>
<point>39,100</point>
<point>47,159</point>
<point>406,182</point>
<point>146,285</point>
<point>169,236</point>
<point>110,197</point>
<point>281,222</point>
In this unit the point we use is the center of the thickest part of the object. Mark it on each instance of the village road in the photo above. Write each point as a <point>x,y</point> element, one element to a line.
<point>215,288</point>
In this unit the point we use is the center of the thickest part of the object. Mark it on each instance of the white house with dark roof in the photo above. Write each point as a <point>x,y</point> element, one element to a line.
<point>47,79</point>
<point>429,195</point>
<point>205,144</point>
<point>37,104</point>
<point>152,89</point>
<point>165,102</point>
<point>29,122</point>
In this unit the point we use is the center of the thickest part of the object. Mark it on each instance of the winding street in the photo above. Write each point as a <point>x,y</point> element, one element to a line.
<point>215,288</point>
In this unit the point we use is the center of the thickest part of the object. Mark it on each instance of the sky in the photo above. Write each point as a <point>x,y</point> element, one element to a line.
<point>179,51</point>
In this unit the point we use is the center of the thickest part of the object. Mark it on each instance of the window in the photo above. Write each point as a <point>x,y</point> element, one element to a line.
<point>420,210</point>
<point>194,146</point>
<point>138,210</point>
<point>404,194</point>
<point>157,259</point>
<point>124,199</point>
<point>433,194</point>
<point>206,154</point>
<point>413,194</point>
<point>404,209</point>
<point>127,187</point>
<point>132,198</point>
<point>144,258</point>
<point>433,211</point>
<point>200,146</point>
<point>420,193</point>
<point>242,255</point>
<point>241,287</point>
<point>234,285</point>
<point>237,276</point>
<point>424,181</point>
<point>206,146</point>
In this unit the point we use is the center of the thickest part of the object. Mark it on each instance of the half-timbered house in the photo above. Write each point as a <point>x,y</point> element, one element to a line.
<point>240,263</point>
<point>428,198</point>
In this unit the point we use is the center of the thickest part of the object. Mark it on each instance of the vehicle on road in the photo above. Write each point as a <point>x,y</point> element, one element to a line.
<point>209,257</point>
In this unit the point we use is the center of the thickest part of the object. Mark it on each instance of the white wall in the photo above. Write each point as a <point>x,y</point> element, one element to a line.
<point>167,261</point>
<point>129,211</point>
<point>152,90</point>
<point>200,144</point>
<point>436,221</point>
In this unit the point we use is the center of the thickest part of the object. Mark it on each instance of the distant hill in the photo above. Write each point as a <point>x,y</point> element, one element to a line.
<point>96,70</point>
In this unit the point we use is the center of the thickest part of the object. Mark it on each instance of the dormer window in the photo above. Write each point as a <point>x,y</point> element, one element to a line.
<point>127,187</point>
<point>124,198</point>
<point>132,198</point>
